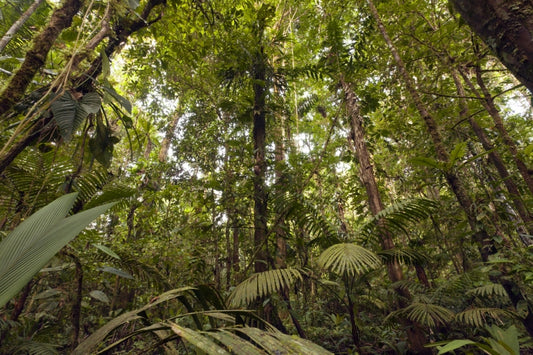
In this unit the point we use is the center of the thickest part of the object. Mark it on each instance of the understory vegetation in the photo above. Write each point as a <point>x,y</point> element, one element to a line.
<point>249,177</point>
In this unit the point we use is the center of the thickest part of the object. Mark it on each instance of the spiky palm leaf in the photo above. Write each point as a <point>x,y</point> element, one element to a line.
<point>403,256</point>
<point>348,259</point>
<point>263,284</point>
<point>306,217</point>
<point>488,291</point>
<point>478,317</point>
<point>426,314</point>
<point>397,217</point>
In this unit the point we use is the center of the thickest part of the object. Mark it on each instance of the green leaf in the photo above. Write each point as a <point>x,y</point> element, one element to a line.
<point>107,251</point>
<point>95,339</point>
<point>454,344</point>
<point>116,271</point>
<point>99,295</point>
<point>64,110</point>
<point>36,240</point>
<point>348,258</point>
<point>457,153</point>
<point>198,340</point>
<point>133,4</point>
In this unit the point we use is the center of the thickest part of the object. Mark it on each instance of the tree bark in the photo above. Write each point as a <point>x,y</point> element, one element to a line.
<point>506,26</point>
<point>18,24</point>
<point>481,236</point>
<point>491,108</point>
<point>169,134</point>
<point>259,139</point>
<point>494,157</point>
<point>415,334</point>
<point>36,56</point>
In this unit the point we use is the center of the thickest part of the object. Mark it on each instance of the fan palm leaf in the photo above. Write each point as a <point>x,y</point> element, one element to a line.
<point>348,259</point>
<point>263,284</point>
<point>477,317</point>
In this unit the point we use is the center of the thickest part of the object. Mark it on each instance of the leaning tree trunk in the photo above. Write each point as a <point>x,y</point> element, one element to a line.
<point>491,108</point>
<point>416,335</point>
<point>506,26</point>
<point>36,56</point>
<point>487,246</point>
<point>494,156</point>
<point>481,236</point>
<point>18,24</point>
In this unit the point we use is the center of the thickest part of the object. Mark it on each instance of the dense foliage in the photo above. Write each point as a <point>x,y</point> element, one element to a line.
<point>355,173</point>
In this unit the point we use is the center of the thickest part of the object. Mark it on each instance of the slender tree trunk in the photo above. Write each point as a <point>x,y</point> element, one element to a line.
<point>76,304</point>
<point>18,24</point>
<point>506,26</point>
<point>169,134</point>
<point>494,157</point>
<point>36,56</point>
<point>416,335</point>
<point>259,139</point>
<point>491,108</point>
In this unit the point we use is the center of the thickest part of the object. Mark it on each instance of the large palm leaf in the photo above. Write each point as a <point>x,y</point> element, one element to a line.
<point>263,284</point>
<point>36,240</point>
<point>348,259</point>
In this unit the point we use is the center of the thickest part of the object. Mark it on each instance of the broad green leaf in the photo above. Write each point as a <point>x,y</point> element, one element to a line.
<point>107,251</point>
<point>453,345</point>
<point>116,271</point>
<point>99,295</point>
<point>35,241</point>
<point>64,109</point>
<point>198,340</point>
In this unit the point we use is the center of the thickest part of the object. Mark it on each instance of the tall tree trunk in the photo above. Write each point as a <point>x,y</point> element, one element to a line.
<point>494,157</point>
<point>416,335</point>
<point>506,26</point>
<point>481,236</point>
<point>169,134</point>
<point>486,244</point>
<point>491,108</point>
<point>36,56</point>
<point>18,24</point>
<point>259,139</point>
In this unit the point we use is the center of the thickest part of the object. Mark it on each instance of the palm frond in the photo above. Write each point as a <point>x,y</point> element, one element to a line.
<point>477,317</point>
<point>348,259</point>
<point>307,217</point>
<point>397,217</point>
<point>488,291</point>
<point>426,314</point>
<point>263,284</point>
<point>403,256</point>
<point>31,347</point>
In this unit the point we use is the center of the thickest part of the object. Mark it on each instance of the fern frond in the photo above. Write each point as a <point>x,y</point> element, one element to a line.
<point>306,217</point>
<point>488,291</point>
<point>348,259</point>
<point>263,284</point>
<point>35,348</point>
<point>397,217</point>
<point>477,317</point>
<point>403,256</point>
<point>427,314</point>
